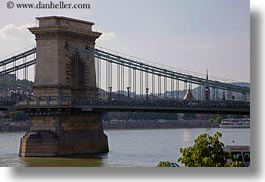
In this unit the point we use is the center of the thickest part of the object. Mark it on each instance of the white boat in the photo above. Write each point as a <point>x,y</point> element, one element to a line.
<point>239,153</point>
<point>235,123</point>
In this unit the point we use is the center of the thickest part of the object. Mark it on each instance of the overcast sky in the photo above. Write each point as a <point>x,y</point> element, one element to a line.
<point>193,35</point>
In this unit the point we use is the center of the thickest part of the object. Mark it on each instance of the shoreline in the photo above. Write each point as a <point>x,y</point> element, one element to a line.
<point>158,124</point>
<point>128,125</point>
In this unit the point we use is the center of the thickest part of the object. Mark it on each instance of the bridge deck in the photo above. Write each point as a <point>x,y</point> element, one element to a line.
<point>167,106</point>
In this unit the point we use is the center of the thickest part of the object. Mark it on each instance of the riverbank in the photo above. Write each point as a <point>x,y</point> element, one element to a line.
<point>158,124</point>
<point>14,126</point>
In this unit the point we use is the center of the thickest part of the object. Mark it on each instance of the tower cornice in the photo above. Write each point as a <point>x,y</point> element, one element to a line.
<point>61,33</point>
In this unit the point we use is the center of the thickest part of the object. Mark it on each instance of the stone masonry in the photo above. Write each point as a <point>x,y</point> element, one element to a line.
<point>55,69</point>
<point>60,72</point>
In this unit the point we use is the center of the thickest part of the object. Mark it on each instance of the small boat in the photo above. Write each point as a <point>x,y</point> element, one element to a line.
<point>239,153</point>
<point>235,123</point>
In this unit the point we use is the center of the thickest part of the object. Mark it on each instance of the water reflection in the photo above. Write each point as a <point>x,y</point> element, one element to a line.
<point>128,148</point>
<point>187,135</point>
<point>72,161</point>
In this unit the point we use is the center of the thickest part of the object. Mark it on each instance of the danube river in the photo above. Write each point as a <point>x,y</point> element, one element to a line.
<point>128,148</point>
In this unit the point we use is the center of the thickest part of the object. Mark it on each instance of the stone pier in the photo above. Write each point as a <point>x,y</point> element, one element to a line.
<point>63,135</point>
<point>65,74</point>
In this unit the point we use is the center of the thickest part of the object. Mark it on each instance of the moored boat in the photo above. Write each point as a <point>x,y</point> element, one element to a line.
<point>235,123</point>
<point>239,153</point>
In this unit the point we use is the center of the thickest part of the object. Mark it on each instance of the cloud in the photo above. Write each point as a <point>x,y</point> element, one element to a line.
<point>111,41</point>
<point>107,40</point>
<point>14,38</point>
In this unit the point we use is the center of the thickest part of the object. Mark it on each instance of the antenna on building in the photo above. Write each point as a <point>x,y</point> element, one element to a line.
<point>207,88</point>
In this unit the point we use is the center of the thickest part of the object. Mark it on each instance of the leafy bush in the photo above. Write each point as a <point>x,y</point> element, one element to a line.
<point>164,164</point>
<point>207,151</point>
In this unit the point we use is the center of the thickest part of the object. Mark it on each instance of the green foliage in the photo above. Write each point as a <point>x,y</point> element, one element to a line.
<point>219,118</point>
<point>11,83</point>
<point>207,151</point>
<point>164,164</point>
<point>17,116</point>
<point>188,116</point>
<point>235,164</point>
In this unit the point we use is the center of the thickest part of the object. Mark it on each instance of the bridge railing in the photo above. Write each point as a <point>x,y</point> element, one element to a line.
<point>36,101</point>
<point>7,102</point>
<point>98,105</point>
<point>50,101</point>
<point>163,103</point>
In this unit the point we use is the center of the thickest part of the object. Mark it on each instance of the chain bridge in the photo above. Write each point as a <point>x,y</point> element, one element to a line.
<point>75,82</point>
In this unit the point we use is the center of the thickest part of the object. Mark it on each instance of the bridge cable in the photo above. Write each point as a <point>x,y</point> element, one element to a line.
<point>172,87</point>
<point>122,77</point>
<point>134,82</point>
<point>165,87</point>
<point>131,63</point>
<point>159,86</point>
<point>153,84</point>
<point>106,74</point>
<point>177,88</point>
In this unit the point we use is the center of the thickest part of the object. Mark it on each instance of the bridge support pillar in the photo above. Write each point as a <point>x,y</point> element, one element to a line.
<point>61,73</point>
<point>63,135</point>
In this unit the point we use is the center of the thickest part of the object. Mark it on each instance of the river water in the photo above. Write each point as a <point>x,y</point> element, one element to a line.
<point>128,148</point>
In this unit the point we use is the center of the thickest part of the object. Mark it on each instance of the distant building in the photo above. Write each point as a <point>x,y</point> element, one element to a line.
<point>207,88</point>
<point>188,96</point>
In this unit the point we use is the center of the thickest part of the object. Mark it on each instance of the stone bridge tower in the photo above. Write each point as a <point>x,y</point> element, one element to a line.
<point>61,73</point>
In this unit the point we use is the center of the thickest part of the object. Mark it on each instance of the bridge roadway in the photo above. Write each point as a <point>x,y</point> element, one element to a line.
<point>166,106</point>
<point>7,104</point>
